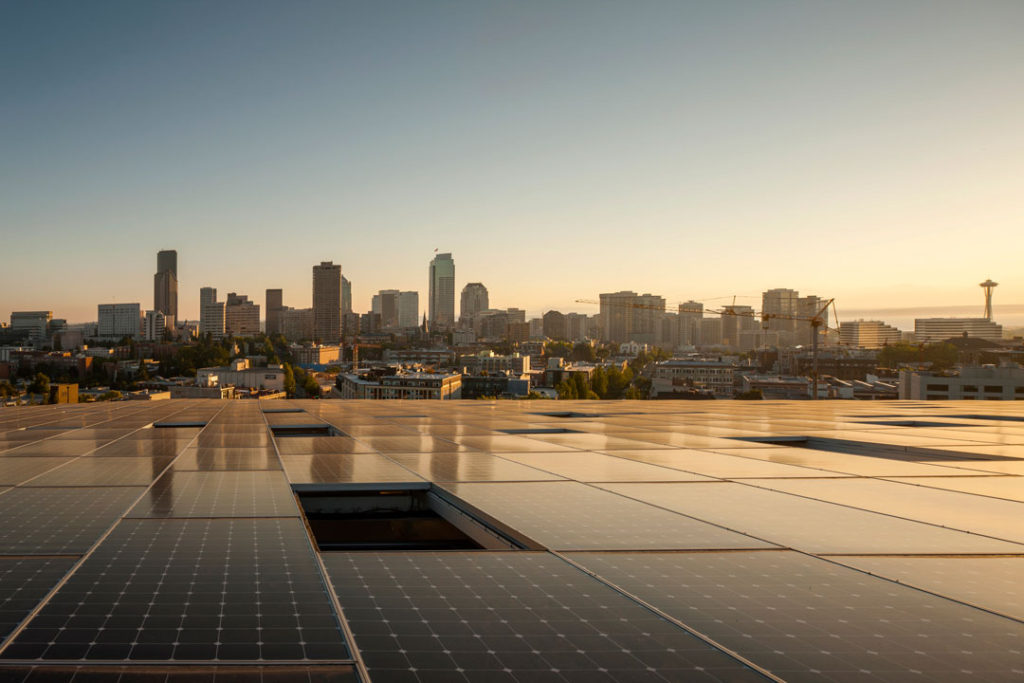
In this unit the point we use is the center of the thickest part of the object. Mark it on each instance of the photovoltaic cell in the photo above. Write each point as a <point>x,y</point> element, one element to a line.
<point>186,590</point>
<point>509,617</point>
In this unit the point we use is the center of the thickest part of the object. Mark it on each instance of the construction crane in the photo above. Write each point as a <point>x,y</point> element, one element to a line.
<point>818,320</point>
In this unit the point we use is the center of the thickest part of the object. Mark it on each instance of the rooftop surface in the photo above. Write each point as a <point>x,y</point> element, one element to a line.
<point>512,541</point>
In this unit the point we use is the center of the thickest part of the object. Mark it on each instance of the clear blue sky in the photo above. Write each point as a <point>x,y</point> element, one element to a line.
<point>868,150</point>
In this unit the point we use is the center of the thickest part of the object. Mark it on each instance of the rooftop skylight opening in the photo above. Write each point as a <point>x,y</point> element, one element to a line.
<point>540,430</point>
<point>305,429</point>
<point>406,518</point>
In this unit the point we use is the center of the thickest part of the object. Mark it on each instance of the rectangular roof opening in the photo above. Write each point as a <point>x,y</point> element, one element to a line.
<point>395,518</point>
<point>186,424</point>
<point>540,430</point>
<point>868,448</point>
<point>305,429</point>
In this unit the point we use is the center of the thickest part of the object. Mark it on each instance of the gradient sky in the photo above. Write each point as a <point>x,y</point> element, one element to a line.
<point>870,151</point>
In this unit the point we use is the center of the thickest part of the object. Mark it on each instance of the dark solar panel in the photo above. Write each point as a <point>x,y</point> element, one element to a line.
<point>569,515</point>
<point>805,618</point>
<point>218,494</point>
<point>190,590</point>
<point>509,617</point>
<point>23,583</point>
<point>59,521</point>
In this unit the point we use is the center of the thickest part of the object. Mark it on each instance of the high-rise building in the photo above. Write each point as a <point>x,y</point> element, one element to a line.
<point>386,303</point>
<point>554,325</point>
<point>241,316</point>
<point>575,326</point>
<point>441,311</point>
<point>119,320</point>
<point>781,302</point>
<point>275,303</point>
<point>408,309</point>
<point>474,300</point>
<point>327,302</point>
<point>690,315</point>
<point>211,313</point>
<point>297,324</point>
<point>735,321</point>
<point>648,314</point>
<point>617,316</point>
<point>35,322</point>
<point>346,296</point>
<point>165,286</point>
<point>153,326</point>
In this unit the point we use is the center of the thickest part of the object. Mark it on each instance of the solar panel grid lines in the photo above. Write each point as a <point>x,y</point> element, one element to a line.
<point>509,617</point>
<point>97,541</point>
<point>353,647</point>
<point>973,579</point>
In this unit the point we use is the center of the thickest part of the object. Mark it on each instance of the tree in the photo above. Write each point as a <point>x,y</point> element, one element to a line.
<point>599,382</point>
<point>40,385</point>
<point>584,353</point>
<point>289,380</point>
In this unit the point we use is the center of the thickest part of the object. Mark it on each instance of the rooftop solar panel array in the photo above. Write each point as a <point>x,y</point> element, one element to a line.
<point>662,541</point>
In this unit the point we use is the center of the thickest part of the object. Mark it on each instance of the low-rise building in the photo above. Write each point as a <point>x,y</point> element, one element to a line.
<point>930,330</point>
<point>973,383</point>
<point>310,355</point>
<point>497,385</point>
<point>408,386</point>
<point>241,374</point>
<point>706,375</point>
<point>868,334</point>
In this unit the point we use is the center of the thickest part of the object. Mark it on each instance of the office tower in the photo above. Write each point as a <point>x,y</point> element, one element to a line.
<point>710,331</point>
<point>153,326</point>
<point>735,321</point>
<point>690,315</point>
<point>211,313</point>
<point>241,316</point>
<point>408,309</point>
<point>386,304</point>
<point>165,286</point>
<point>441,306</point>
<point>617,316</point>
<point>346,296</point>
<point>35,322</point>
<point>575,326</point>
<point>648,314</point>
<point>554,325</point>
<point>207,295</point>
<point>297,324</point>
<point>119,320</point>
<point>275,302</point>
<point>474,300</point>
<point>327,302</point>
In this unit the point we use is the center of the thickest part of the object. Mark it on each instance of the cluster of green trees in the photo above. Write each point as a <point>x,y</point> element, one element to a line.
<point>609,384</point>
<point>942,355</point>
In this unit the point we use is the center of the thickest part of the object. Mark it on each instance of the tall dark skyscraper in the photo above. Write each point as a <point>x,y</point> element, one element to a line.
<point>327,302</point>
<point>275,302</point>
<point>165,286</point>
<point>441,307</point>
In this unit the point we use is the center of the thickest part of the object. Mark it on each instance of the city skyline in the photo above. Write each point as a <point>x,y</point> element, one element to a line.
<point>902,317</point>
<point>686,149</point>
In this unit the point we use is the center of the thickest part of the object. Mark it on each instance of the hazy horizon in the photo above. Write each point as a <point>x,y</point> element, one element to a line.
<point>867,151</point>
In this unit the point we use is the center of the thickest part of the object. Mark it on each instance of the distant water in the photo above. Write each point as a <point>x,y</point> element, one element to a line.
<point>1010,315</point>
